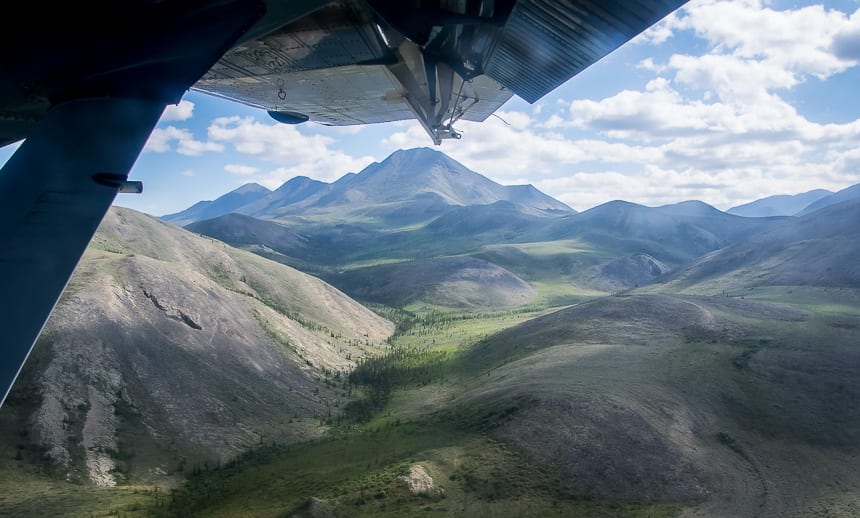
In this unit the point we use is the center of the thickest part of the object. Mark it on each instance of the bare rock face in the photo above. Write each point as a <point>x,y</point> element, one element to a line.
<point>419,481</point>
<point>169,350</point>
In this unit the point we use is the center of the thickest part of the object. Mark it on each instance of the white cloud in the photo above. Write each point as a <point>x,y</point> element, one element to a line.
<point>274,142</point>
<point>658,33</point>
<point>657,113</point>
<point>193,147</point>
<point>240,170</point>
<point>847,165</point>
<point>735,80</point>
<point>846,42</point>
<point>508,153</point>
<point>517,120</point>
<point>720,152</point>
<point>162,140</point>
<point>796,40</point>
<point>178,112</point>
<point>187,172</point>
<point>296,154</point>
<point>648,64</point>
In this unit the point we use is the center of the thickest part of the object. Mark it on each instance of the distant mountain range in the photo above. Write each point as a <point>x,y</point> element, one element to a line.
<point>230,202</point>
<point>416,185</point>
<point>819,249</point>
<point>779,205</point>
<point>408,186</point>
<point>672,233</point>
<point>847,194</point>
<point>795,205</point>
<point>395,223</point>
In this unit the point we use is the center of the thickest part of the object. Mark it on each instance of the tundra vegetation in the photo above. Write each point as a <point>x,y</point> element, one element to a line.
<point>673,403</point>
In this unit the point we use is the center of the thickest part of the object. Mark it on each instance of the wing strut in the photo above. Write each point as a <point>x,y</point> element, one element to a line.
<point>57,187</point>
<point>52,198</point>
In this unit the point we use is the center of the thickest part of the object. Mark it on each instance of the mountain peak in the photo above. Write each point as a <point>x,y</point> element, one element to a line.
<point>251,188</point>
<point>420,158</point>
<point>227,203</point>
<point>418,151</point>
<point>691,208</point>
<point>410,174</point>
<point>298,182</point>
<point>417,180</point>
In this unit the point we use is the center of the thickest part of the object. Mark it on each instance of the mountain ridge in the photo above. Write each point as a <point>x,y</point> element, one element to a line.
<point>399,180</point>
<point>779,205</point>
<point>818,249</point>
<point>233,200</point>
<point>848,193</point>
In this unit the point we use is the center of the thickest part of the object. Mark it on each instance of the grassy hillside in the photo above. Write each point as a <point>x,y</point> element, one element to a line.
<point>607,249</point>
<point>643,405</point>
<point>455,282</point>
<point>168,351</point>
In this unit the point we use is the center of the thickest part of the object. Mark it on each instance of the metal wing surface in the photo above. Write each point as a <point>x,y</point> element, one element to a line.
<point>438,62</point>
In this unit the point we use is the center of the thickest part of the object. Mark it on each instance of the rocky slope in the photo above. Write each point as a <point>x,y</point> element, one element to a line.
<point>169,349</point>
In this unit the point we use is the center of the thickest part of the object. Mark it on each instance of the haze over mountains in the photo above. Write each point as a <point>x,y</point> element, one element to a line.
<point>623,360</point>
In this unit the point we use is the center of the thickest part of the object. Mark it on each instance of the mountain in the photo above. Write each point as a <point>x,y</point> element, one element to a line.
<point>779,205</point>
<point>225,204</point>
<point>819,249</point>
<point>634,405</point>
<point>630,271</point>
<point>849,193</point>
<point>410,186</point>
<point>723,404</point>
<point>615,246</point>
<point>406,174</point>
<point>672,234</point>
<point>452,282</point>
<point>168,350</point>
<point>512,384</point>
<point>276,203</point>
<point>240,230</point>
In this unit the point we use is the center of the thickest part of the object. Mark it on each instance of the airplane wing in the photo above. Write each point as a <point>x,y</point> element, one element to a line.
<point>362,62</point>
<point>83,83</point>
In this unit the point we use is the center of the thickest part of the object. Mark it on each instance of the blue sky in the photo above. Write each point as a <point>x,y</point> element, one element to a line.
<point>722,101</point>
